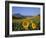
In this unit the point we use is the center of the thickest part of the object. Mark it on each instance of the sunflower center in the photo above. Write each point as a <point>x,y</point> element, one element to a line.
<point>25,23</point>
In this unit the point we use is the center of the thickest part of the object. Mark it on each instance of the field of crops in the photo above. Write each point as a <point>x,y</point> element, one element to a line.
<point>27,23</point>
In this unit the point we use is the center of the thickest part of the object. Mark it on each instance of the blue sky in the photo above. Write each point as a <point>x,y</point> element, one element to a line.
<point>26,11</point>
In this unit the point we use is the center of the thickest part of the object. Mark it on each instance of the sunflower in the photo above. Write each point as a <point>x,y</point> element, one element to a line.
<point>25,24</point>
<point>34,26</point>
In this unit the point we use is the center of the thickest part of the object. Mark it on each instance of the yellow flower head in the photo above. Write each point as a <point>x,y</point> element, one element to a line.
<point>25,24</point>
<point>34,26</point>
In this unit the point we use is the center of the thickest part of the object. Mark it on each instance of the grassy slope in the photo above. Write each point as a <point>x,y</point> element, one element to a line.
<point>28,18</point>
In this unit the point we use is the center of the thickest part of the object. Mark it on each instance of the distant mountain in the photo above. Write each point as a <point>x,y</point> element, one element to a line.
<point>39,15</point>
<point>18,16</point>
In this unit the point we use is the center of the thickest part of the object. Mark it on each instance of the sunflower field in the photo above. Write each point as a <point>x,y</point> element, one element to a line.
<point>26,24</point>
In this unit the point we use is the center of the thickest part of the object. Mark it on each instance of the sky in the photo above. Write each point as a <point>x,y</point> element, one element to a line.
<point>26,11</point>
